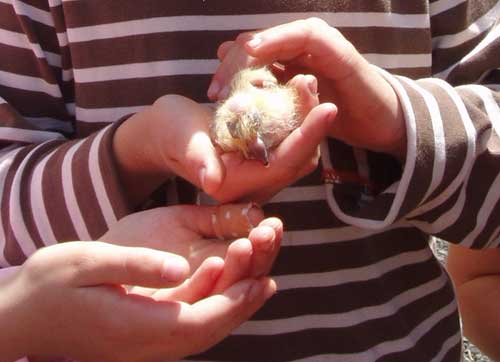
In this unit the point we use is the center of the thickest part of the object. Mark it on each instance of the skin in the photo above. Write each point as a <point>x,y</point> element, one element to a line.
<point>138,298</point>
<point>476,276</point>
<point>370,119</point>
<point>147,161</point>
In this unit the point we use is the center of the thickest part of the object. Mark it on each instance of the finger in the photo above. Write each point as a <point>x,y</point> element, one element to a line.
<point>199,286</point>
<point>223,49</point>
<point>265,245</point>
<point>190,154</point>
<point>218,315</point>
<point>307,93</point>
<point>235,59</point>
<point>237,264</point>
<point>325,45</point>
<point>303,142</point>
<point>95,263</point>
<point>263,239</point>
<point>205,162</point>
<point>226,221</point>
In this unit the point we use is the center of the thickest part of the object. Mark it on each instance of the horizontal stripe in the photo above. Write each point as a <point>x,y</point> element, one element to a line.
<point>351,275</point>
<point>93,12</point>
<point>146,70</point>
<point>26,135</point>
<point>21,41</point>
<point>389,61</point>
<point>441,6</point>
<point>340,320</point>
<point>304,193</point>
<point>31,12</point>
<point>487,41</point>
<point>105,115</point>
<point>239,22</point>
<point>320,236</point>
<point>29,84</point>
<point>474,29</point>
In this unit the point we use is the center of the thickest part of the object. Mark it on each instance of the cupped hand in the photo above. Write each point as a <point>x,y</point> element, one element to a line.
<point>370,115</point>
<point>296,156</point>
<point>236,232</point>
<point>171,137</point>
<point>69,300</point>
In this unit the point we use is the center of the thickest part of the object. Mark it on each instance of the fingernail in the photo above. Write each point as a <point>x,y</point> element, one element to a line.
<point>268,234</point>
<point>332,112</point>
<point>312,83</point>
<point>201,174</point>
<point>255,42</point>
<point>213,89</point>
<point>254,214</point>
<point>174,269</point>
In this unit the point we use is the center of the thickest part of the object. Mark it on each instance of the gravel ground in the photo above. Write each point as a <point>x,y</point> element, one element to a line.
<point>471,352</point>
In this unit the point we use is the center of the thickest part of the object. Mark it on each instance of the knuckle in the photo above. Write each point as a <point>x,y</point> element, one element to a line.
<point>315,22</point>
<point>35,265</point>
<point>244,37</point>
<point>167,100</point>
<point>81,264</point>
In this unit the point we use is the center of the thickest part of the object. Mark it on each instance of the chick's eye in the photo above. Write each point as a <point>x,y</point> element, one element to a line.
<point>234,128</point>
<point>254,119</point>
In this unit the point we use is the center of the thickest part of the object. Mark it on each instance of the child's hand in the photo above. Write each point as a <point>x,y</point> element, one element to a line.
<point>199,232</point>
<point>68,300</point>
<point>296,156</point>
<point>169,138</point>
<point>172,137</point>
<point>370,115</point>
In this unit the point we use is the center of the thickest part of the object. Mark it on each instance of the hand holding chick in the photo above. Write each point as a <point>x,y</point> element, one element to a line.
<point>258,114</point>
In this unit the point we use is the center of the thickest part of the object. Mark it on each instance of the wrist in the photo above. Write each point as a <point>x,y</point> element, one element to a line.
<point>138,165</point>
<point>395,144</point>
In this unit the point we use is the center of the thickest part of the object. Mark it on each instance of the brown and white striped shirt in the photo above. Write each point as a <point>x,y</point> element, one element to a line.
<point>357,279</point>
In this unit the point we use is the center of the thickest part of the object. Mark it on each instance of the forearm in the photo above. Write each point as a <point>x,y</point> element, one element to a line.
<point>479,305</point>
<point>139,175</point>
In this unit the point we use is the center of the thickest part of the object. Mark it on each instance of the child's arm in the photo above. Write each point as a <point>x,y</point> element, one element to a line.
<point>476,275</point>
<point>75,289</point>
<point>445,138</point>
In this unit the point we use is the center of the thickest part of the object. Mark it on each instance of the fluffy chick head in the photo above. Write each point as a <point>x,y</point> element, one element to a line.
<point>258,114</point>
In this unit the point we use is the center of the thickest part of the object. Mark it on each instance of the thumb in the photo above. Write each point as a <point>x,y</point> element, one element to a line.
<point>304,141</point>
<point>97,263</point>
<point>207,165</point>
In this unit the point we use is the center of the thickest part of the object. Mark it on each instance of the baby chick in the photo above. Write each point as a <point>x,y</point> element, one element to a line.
<point>258,114</point>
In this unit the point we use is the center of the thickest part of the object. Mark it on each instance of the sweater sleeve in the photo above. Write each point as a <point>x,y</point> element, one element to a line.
<point>450,180</point>
<point>54,185</point>
<point>55,189</point>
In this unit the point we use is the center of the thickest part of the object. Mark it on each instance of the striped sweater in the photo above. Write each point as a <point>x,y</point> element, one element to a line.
<point>357,279</point>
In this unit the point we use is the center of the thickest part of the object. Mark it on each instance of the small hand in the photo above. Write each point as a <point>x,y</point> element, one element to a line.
<point>370,115</point>
<point>68,300</point>
<point>199,232</point>
<point>296,156</point>
<point>169,138</point>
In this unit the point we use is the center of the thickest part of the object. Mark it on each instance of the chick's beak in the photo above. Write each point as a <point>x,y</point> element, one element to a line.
<point>257,151</point>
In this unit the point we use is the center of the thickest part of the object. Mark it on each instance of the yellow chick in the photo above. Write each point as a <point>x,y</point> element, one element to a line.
<point>258,114</point>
